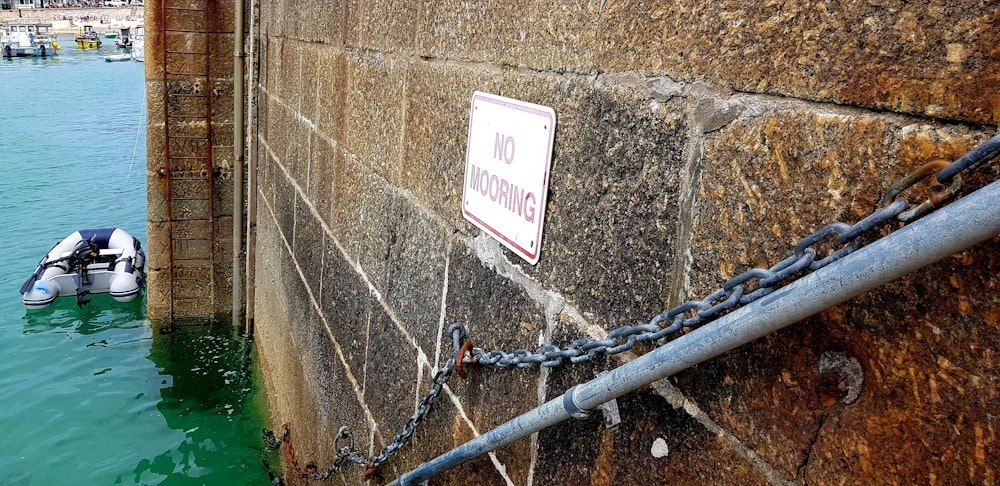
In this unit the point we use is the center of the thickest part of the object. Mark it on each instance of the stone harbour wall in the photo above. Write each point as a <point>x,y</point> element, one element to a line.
<point>694,141</point>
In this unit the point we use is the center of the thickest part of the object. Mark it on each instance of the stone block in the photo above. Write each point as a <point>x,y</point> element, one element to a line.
<point>158,297</point>
<point>530,33</point>
<point>222,194</point>
<point>191,19</point>
<point>770,181</point>
<point>374,112</point>
<point>381,25</point>
<point>438,101</point>
<point>782,176</point>
<point>321,22</point>
<point>926,59</point>
<point>273,64</point>
<point>193,307</point>
<point>222,101</point>
<point>265,170</point>
<point>612,211</point>
<point>155,109</point>
<point>185,209</point>
<point>191,229</point>
<point>157,206</point>
<point>285,197</point>
<point>196,249</point>
<point>499,315</point>
<point>331,75</point>
<point>273,24</point>
<point>193,42</point>
<point>346,303</point>
<point>443,429</point>
<point>153,63</point>
<point>220,17</point>
<point>221,48</point>
<point>157,246</point>
<point>307,82</point>
<point>307,245</point>
<point>366,214</point>
<point>324,159</point>
<point>390,382</point>
<point>418,252</point>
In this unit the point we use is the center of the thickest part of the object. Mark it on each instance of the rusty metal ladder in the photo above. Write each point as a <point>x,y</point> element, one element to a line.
<point>188,153</point>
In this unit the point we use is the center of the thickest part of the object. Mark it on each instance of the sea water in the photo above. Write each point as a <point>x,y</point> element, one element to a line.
<point>92,396</point>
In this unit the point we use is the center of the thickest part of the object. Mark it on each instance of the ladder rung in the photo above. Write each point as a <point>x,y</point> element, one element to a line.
<point>189,53</point>
<point>185,74</point>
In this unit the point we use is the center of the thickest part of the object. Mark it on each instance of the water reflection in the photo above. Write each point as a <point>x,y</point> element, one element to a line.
<point>101,314</point>
<point>212,393</point>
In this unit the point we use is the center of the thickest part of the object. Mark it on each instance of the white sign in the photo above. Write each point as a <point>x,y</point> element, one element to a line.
<point>507,170</point>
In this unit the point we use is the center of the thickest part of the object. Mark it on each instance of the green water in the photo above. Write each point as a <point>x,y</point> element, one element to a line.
<point>93,396</point>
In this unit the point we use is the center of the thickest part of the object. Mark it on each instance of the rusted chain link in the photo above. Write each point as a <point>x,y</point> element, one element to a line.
<point>348,454</point>
<point>741,290</point>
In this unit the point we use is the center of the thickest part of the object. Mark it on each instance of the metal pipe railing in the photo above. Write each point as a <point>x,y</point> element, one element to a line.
<point>955,227</point>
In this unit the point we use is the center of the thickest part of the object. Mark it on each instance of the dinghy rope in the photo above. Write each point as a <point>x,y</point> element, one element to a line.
<point>735,293</point>
<point>135,147</point>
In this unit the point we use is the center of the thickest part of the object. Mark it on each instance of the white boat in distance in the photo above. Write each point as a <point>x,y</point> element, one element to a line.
<point>28,37</point>
<point>139,44</point>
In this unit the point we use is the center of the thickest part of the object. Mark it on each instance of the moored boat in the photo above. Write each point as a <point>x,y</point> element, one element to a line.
<point>124,39</point>
<point>88,261</point>
<point>28,37</point>
<point>87,37</point>
<point>118,57</point>
<point>139,44</point>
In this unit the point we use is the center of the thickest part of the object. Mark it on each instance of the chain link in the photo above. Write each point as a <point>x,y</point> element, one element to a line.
<point>740,290</point>
<point>348,454</point>
<point>733,294</point>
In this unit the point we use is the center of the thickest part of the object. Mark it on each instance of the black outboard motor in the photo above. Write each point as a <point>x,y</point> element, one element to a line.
<point>84,252</point>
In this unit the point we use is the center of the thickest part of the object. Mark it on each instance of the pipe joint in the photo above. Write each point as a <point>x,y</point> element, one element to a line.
<point>571,405</point>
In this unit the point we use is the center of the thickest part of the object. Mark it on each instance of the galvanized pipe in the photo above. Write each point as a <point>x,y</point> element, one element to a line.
<point>238,157</point>
<point>951,229</point>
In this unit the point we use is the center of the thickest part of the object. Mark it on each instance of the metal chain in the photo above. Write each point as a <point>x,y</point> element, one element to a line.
<point>349,455</point>
<point>733,294</point>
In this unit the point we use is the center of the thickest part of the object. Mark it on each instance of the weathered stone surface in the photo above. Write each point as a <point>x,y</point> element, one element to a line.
<point>307,245</point>
<point>442,430</point>
<point>769,181</point>
<point>612,208</point>
<point>499,316</point>
<point>346,303</point>
<point>584,452</point>
<point>437,123</point>
<point>331,74</point>
<point>381,25</point>
<point>926,58</point>
<point>366,214</point>
<point>390,383</point>
<point>374,112</point>
<point>284,205</point>
<point>304,102</point>
<point>538,34</point>
<point>660,188</point>
<point>324,159</point>
<point>289,381</point>
<point>418,253</point>
<point>156,198</point>
<point>283,126</point>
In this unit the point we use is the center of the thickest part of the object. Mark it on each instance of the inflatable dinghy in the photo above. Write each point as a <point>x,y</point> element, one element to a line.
<point>90,261</point>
